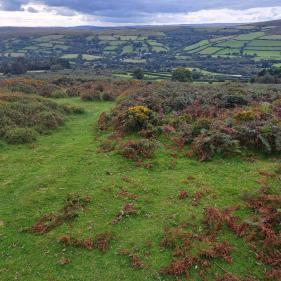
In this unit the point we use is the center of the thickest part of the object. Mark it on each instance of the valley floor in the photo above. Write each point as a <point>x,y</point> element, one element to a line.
<point>36,179</point>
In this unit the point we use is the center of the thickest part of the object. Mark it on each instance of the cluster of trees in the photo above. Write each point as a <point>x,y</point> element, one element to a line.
<point>268,76</point>
<point>17,66</point>
<point>180,74</point>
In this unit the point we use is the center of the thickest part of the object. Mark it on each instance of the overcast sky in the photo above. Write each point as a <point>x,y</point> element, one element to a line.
<point>135,12</point>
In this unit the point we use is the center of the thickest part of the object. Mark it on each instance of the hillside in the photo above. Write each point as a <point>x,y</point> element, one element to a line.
<point>132,180</point>
<point>243,49</point>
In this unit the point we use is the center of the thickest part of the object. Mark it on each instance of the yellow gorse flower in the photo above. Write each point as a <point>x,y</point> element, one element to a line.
<point>139,111</point>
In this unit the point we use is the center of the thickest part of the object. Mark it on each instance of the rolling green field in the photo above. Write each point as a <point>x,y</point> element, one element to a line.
<point>255,44</point>
<point>36,179</point>
<point>237,50</point>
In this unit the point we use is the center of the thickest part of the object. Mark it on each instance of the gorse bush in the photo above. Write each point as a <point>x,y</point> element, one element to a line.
<point>137,118</point>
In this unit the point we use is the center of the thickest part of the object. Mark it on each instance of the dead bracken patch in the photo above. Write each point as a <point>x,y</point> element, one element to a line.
<point>267,174</point>
<point>196,198</point>
<point>183,243</point>
<point>64,261</point>
<point>265,231</point>
<point>87,243</point>
<point>214,219</point>
<point>136,262</point>
<point>182,194</point>
<point>126,194</point>
<point>48,222</point>
<point>127,209</point>
<point>101,242</point>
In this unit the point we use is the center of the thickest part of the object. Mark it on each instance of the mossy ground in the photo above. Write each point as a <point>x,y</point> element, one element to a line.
<point>35,180</point>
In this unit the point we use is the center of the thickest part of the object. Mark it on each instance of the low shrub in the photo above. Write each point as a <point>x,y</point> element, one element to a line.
<point>106,97</point>
<point>206,145</point>
<point>46,121</point>
<point>73,109</point>
<point>138,149</point>
<point>245,115</point>
<point>91,96</point>
<point>58,94</point>
<point>20,135</point>
<point>232,101</point>
<point>73,92</point>
<point>137,118</point>
<point>21,115</point>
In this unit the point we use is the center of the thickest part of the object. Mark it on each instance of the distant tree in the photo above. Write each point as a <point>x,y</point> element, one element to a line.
<point>182,75</point>
<point>138,74</point>
<point>196,75</point>
<point>268,76</point>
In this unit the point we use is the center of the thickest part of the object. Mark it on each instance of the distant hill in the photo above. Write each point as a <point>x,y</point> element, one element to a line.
<point>227,48</point>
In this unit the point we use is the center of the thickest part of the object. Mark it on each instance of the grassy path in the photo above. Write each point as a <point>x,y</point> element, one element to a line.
<point>35,180</point>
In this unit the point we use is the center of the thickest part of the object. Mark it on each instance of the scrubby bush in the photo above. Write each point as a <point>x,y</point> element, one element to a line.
<point>20,135</point>
<point>137,118</point>
<point>94,95</point>
<point>58,94</point>
<point>213,119</point>
<point>73,92</point>
<point>73,109</point>
<point>91,96</point>
<point>232,101</point>
<point>207,145</point>
<point>46,121</point>
<point>30,86</point>
<point>138,149</point>
<point>245,115</point>
<point>21,115</point>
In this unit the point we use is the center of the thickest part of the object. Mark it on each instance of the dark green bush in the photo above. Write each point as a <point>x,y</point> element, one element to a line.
<point>233,101</point>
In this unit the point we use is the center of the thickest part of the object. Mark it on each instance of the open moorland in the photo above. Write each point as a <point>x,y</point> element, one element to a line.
<point>135,180</point>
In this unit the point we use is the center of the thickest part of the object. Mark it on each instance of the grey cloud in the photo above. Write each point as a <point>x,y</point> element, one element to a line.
<point>137,10</point>
<point>32,10</point>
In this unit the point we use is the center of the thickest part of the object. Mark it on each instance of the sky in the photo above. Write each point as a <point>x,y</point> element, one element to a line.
<point>135,12</point>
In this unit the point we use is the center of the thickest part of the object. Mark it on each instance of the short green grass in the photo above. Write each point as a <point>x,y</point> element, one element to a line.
<point>197,45</point>
<point>254,43</point>
<point>136,60</point>
<point>127,49</point>
<point>90,57</point>
<point>249,36</point>
<point>35,180</point>
<point>70,56</point>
